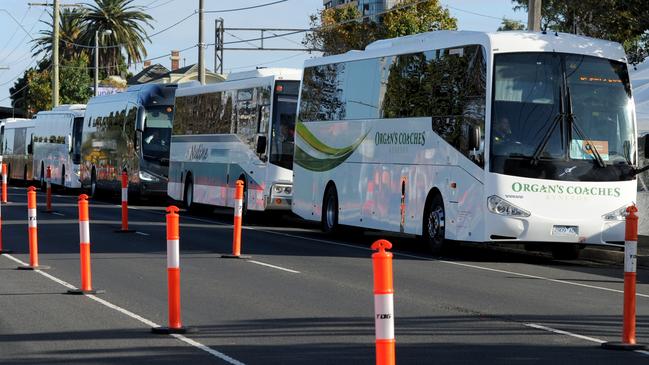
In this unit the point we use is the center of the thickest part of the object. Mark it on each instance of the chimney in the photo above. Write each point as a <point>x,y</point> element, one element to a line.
<point>147,63</point>
<point>175,60</point>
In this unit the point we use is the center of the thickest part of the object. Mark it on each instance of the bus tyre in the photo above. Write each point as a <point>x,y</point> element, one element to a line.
<point>93,184</point>
<point>330,210</point>
<point>62,187</point>
<point>42,182</point>
<point>566,251</point>
<point>435,225</point>
<point>188,196</point>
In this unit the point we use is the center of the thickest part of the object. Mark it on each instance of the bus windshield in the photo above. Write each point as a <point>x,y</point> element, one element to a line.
<point>561,116</point>
<point>283,123</point>
<point>156,136</point>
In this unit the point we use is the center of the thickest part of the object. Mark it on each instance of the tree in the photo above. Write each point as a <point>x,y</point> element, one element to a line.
<point>340,29</point>
<point>70,30</point>
<point>412,19</point>
<point>616,20</point>
<point>33,92</point>
<point>509,24</point>
<point>126,23</point>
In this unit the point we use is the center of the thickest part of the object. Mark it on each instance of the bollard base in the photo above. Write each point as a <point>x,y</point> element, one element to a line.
<point>2,252</point>
<point>169,330</point>
<point>125,231</point>
<point>39,267</point>
<point>226,256</point>
<point>47,211</point>
<point>621,346</point>
<point>83,292</point>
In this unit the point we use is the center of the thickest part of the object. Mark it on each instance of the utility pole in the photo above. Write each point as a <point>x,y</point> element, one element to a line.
<point>534,16</point>
<point>55,57</point>
<point>201,45</point>
<point>218,42</point>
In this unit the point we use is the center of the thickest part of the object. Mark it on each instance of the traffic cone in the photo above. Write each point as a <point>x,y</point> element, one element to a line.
<point>84,243</point>
<point>383,303</point>
<point>124,228</point>
<point>33,232</point>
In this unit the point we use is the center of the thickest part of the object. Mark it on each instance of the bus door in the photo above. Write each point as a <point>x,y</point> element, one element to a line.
<point>74,146</point>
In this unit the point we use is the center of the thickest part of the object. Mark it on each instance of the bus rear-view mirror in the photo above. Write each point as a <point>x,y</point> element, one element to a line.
<point>474,138</point>
<point>68,142</point>
<point>261,145</point>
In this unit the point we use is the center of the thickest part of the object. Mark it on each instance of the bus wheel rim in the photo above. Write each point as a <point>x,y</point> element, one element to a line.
<point>436,223</point>
<point>330,211</point>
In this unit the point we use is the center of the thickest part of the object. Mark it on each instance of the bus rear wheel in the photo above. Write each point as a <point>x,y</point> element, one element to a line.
<point>188,196</point>
<point>435,225</point>
<point>93,184</point>
<point>329,220</point>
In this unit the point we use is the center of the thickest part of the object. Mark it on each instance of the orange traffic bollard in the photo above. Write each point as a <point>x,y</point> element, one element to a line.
<point>630,260</point>
<point>2,250</point>
<point>124,228</point>
<point>383,303</point>
<point>4,182</point>
<point>173,274</point>
<point>238,212</point>
<point>48,199</point>
<point>33,232</point>
<point>84,241</point>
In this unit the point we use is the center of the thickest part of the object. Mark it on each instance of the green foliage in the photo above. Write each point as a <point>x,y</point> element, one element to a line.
<point>617,20</point>
<point>342,29</point>
<point>75,81</point>
<point>39,91</point>
<point>423,17</point>
<point>509,24</point>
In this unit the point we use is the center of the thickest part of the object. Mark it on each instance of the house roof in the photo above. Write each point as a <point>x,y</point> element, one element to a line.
<point>150,73</point>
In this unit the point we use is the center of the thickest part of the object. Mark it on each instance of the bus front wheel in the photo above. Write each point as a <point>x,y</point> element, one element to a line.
<point>330,210</point>
<point>435,225</point>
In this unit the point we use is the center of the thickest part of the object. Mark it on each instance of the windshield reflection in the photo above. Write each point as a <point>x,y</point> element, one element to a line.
<point>543,126</point>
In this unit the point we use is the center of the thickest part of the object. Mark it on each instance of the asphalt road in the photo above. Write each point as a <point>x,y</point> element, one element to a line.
<point>303,297</point>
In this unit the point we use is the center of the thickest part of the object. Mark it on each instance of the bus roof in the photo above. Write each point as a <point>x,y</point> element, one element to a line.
<point>496,42</point>
<point>11,123</point>
<point>243,80</point>
<point>77,110</point>
<point>139,94</point>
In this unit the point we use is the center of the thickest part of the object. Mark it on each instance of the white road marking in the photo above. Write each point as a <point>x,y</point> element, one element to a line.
<point>273,266</point>
<point>57,213</point>
<point>142,233</point>
<point>571,334</point>
<point>137,317</point>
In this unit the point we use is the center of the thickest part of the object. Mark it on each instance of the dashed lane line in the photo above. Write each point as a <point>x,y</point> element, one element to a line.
<point>137,317</point>
<point>273,266</point>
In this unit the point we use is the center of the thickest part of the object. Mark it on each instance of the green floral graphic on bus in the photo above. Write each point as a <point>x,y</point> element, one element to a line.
<point>334,156</point>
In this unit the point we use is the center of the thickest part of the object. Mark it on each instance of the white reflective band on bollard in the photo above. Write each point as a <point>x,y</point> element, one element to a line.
<point>630,256</point>
<point>384,316</point>
<point>31,217</point>
<point>84,231</point>
<point>173,255</point>
<point>238,208</point>
<point>124,194</point>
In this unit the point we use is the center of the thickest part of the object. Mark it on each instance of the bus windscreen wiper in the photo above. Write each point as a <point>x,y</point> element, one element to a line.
<point>546,137</point>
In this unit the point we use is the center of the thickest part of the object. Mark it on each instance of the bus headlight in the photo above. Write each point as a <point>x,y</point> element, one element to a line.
<point>145,176</point>
<point>501,206</point>
<point>618,214</point>
<point>282,189</point>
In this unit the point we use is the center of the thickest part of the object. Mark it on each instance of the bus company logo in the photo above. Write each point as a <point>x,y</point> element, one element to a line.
<point>403,138</point>
<point>196,152</point>
<point>569,190</point>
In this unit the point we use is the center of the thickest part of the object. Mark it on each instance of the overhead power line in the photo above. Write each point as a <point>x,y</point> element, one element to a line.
<point>246,8</point>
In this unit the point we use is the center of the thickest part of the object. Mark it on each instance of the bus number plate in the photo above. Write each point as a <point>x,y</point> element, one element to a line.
<point>571,231</point>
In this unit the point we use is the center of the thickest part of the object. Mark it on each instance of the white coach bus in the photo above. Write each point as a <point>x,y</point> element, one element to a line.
<point>128,131</point>
<point>487,137</point>
<point>241,128</point>
<point>17,148</point>
<point>57,144</point>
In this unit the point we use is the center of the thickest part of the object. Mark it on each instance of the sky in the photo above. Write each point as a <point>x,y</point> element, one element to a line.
<point>22,23</point>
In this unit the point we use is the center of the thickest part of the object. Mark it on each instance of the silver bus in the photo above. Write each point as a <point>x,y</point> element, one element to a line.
<point>128,131</point>
<point>17,143</point>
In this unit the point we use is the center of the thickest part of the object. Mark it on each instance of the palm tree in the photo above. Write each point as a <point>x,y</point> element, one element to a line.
<point>126,23</point>
<point>71,28</point>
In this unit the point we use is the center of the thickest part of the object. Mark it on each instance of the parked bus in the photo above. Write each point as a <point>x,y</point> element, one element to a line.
<point>507,137</point>
<point>17,138</point>
<point>128,131</point>
<point>238,129</point>
<point>57,144</point>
